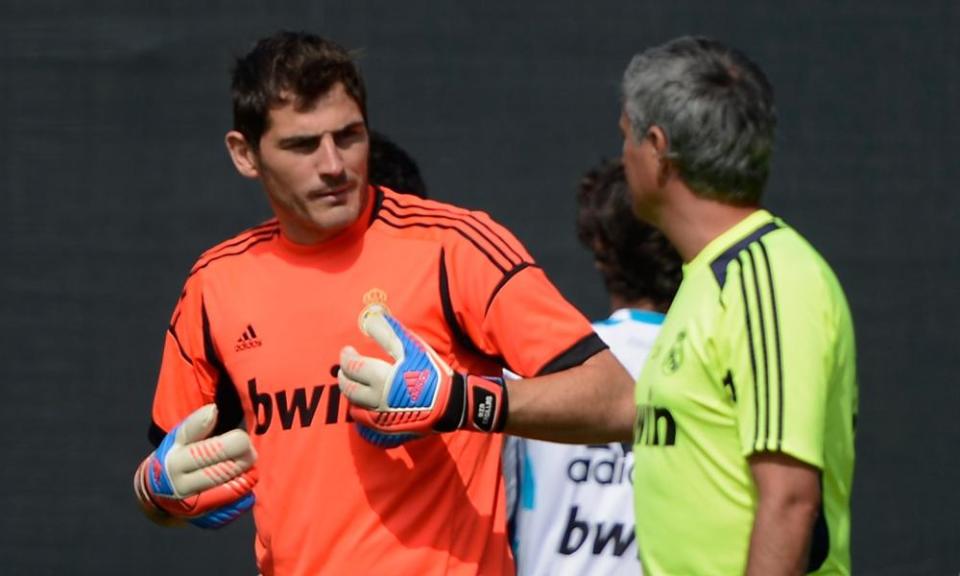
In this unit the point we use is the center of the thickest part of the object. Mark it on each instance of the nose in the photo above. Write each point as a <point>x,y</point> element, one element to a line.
<point>329,161</point>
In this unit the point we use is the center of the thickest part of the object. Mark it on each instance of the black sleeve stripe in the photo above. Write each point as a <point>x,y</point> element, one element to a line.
<point>459,334</point>
<point>464,215</point>
<point>719,264</point>
<point>256,240</point>
<point>763,323</point>
<point>779,350</point>
<point>456,229</point>
<point>580,352</point>
<point>466,229</point>
<point>229,409</point>
<point>183,353</point>
<point>255,232</point>
<point>763,347</point>
<point>753,357</point>
<point>503,282</point>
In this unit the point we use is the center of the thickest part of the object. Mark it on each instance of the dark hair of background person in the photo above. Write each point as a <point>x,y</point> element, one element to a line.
<point>289,64</point>
<point>393,167</point>
<point>635,259</point>
<point>715,106</point>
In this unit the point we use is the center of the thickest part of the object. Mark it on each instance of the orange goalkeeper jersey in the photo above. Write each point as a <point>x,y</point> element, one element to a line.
<point>258,329</point>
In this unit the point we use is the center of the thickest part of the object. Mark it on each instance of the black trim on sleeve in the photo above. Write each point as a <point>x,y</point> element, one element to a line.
<point>753,355</point>
<point>577,354</point>
<point>719,264</point>
<point>765,355</point>
<point>776,333</point>
<point>446,302</point>
<point>503,282</point>
<point>229,409</point>
<point>401,224</point>
<point>252,241</point>
<point>183,353</point>
<point>477,227</point>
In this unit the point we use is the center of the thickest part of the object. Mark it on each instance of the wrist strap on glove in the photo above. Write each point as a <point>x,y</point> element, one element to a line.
<point>476,403</point>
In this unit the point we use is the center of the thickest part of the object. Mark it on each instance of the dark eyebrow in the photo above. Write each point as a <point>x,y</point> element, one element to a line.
<point>311,139</point>
<point>296,141</point>
<point>350,127</point>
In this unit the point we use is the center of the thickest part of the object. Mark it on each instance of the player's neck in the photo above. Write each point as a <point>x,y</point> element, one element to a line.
<point>691,222</point>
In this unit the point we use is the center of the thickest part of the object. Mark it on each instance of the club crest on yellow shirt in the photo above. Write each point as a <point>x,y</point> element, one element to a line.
<point>673,359</point>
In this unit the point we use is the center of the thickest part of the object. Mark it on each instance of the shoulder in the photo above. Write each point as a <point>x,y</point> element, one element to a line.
<point>773,253</point>
<point>795,268</point>
<point>237,246</point>
<point>405,211</point>
<point>453,227</point>
<point>779,277</point>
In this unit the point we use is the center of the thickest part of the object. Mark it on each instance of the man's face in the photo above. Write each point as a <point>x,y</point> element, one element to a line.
<point>640,168</point>
<point>313,166</point>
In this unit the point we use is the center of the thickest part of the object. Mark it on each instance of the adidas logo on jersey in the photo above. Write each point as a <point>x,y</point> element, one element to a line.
<point>248,340</point>
<point>606,465</point>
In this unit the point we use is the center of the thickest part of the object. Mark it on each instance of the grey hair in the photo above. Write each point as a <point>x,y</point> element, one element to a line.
<point>716,108</point>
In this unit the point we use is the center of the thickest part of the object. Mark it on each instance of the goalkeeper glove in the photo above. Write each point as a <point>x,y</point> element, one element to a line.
<point>418,393</point>
<point>207,482</point>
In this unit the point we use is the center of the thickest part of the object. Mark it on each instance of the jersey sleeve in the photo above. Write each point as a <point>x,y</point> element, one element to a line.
<point>188,375</point>
<point>508,308</point>
<point>776,353</point>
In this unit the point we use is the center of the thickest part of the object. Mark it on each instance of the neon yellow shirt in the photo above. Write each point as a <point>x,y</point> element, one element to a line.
<point>756,355</point>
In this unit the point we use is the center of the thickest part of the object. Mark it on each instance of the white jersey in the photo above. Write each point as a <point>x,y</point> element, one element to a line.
<point>571,506</point>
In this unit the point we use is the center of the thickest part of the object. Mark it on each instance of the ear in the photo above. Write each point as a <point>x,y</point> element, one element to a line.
<point>243,155</point>
<point>660,146</point>
<point>658,139</point>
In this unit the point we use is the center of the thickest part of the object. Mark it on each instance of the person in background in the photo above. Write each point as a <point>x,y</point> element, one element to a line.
<point>572,505</point>
<point>393,167</point>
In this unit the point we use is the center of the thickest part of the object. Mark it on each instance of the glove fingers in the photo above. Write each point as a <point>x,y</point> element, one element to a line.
<point>215,497</point>
<point>197,425</point>
<point>235,444</point>
<point>220,478</point>
<point>362,378</point>
<point>374,323</point>
<point>204,464</point>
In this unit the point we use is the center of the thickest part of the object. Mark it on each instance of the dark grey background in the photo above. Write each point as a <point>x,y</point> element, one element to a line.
<point>113,178</point>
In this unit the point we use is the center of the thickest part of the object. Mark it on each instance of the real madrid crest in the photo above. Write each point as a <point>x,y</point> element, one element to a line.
<point>374,299</point>
<point>673,359</point>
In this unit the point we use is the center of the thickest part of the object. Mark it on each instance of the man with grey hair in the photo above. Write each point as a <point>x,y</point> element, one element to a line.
<point>744,440</point>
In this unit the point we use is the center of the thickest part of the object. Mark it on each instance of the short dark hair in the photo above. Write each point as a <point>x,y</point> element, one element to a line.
<point>636,260</point>
<point>393,167</point>
<point>716,108</point>
<point>286,64</point>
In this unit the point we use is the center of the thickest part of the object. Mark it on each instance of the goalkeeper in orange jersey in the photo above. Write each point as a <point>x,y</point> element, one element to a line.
<point>259,326</point>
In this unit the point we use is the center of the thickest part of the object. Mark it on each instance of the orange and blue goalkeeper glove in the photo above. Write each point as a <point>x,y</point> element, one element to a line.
<point>418,393</point>
<point>207,482</point>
